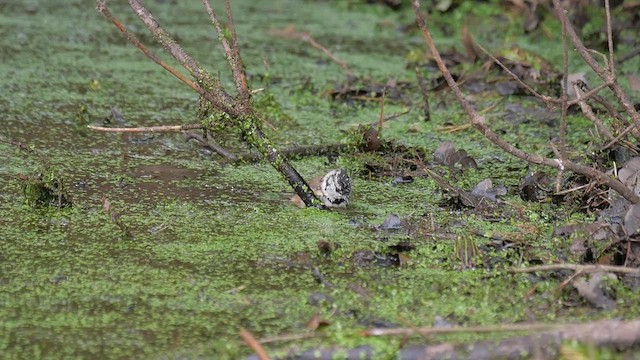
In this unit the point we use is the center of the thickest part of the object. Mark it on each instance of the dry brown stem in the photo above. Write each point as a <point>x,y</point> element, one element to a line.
<point>458,329</point>
<point>578,268</point>
<point>588,112</point>
<point>607,75</point>
<point>212,145</point>
<point>251,341</point>
<point>237,108</point>
<point>479,122</point>
<point>163,128</point>
<point>291,33</point>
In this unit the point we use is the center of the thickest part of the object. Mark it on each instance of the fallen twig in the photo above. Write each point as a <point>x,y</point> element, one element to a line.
<point>163,128</point>
<point>458,329</point>
<point>254,344</point>
<point>212,145</point>
<point>577,267</point>
<point>289,337</point>
<point>479,122</point>
<point>292,33</point>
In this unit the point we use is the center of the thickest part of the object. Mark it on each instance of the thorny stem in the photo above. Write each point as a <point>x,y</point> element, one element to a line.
<point>478,121</point>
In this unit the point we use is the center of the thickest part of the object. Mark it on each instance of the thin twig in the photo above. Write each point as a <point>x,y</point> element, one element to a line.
<point>215,93</point>
<point>211,89</point>
<point>545,98</point>
<point>238,69</point>
<point>254,344</point>
<point>562,134</point>
<point>289,337</point>
<point>102,8</point>
<point>588,112</point>
<point>479,122</point>
<point>422,84</point>
<point>291,32</point>
<point>155,129</point>
<point>213,145</point>
<point>619,137</point>
<point>381,117</point>
<point>577,267</point>
<point>607,76</point>
<point>460,329</point>
<point>231,52</point>
<point>630,55</point>
<point>612,65</point>
<point>301,151</point>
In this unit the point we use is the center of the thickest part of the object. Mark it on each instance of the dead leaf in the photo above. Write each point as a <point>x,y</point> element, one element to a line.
<point>392,222</point>
<point>446,154</point>
<point>631,222</point>
<point>469,44</point>
<point>317,322</point>
<point>628,175</point>
<point>485,189</point>
<point>535,186</point>
<point>595,290</point>
<point>634,82</point>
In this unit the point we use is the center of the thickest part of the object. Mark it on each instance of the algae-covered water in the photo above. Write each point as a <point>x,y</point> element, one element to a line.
<point>189,250</point>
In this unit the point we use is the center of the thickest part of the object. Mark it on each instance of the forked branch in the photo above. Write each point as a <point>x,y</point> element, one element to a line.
<point>479,122</point>
<point>238,109</point>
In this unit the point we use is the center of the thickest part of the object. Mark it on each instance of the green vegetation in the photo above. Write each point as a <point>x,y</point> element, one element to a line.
<point>214,247</point>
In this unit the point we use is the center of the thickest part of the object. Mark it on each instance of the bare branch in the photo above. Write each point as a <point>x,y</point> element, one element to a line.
<point>251,341</point>
<point>153,129</point>
<point>239,75</point>
<point>292,33</point>
<point>211,89</point>
<point>515,77</point>
<point>102,8</point>
<point>478,121</point>
<point>578,268</point>
<point>588,112</point>
<point>606,75</point>
<point>612,65</point>
<point>459,329</point>
<point>214,92</point>
<point>231,52</point>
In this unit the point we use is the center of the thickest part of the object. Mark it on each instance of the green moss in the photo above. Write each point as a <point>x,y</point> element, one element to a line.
<point>214,248</point>
<point>47,188</point>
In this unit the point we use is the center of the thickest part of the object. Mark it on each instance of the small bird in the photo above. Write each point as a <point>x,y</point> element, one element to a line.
<point>333,188</point>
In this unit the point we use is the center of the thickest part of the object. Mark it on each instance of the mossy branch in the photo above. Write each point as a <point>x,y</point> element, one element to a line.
<point>238,108</point>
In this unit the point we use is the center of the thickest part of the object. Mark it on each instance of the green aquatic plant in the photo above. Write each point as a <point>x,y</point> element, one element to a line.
<point>46,188</point>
